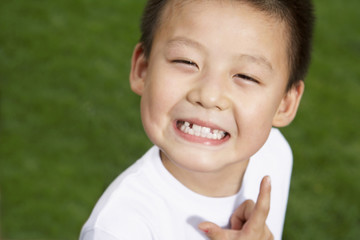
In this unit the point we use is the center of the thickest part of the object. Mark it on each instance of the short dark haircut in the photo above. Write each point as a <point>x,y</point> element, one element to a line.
<point>298,15</point>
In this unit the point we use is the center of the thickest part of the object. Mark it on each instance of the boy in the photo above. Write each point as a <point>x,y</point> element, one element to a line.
<point>214,77</point>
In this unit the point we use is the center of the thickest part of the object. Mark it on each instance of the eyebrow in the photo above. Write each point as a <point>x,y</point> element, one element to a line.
<point>258,59</point>
<point>183,41</point>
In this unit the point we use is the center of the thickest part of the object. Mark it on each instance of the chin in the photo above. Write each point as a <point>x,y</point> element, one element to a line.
<point>194,161</point>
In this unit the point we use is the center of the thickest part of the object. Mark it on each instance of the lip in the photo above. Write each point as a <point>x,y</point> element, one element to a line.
<point>201,140</point>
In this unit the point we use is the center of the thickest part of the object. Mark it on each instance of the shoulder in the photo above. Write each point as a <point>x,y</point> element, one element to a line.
<point>276,148</point>
<point>132,229</point>
<point>278,142</point>
<point>274,159</point>
<point>121,210</point>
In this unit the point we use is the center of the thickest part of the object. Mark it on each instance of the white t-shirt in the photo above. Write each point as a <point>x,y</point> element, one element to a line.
<point>146,202</point>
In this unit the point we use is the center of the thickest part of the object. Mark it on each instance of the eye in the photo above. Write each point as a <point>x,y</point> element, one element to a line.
<point>246,77</point>
<point>186,62</point>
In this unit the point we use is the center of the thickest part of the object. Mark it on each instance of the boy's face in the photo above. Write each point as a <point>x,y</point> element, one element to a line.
<point>214,84</point>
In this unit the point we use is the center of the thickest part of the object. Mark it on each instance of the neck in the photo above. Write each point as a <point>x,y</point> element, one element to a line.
<point>222,183</point>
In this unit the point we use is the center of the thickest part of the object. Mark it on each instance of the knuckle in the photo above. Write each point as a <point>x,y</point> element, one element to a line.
<point>264,207</point>
<point>249,202</point>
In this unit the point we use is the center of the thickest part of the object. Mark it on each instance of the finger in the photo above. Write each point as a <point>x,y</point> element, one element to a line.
<point>262,205</point>
<point>241,215</point>
<point>212,231</point>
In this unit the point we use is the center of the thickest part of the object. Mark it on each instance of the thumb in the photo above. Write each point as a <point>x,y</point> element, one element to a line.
<point>212,231</point>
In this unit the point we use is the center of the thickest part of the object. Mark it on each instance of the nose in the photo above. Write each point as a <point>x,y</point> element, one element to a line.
<point>210,93</point>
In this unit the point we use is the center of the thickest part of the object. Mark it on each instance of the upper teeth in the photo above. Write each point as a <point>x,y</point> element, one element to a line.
<point>200,131</point>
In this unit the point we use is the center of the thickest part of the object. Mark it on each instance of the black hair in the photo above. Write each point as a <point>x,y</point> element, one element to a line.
<point>297,14</point>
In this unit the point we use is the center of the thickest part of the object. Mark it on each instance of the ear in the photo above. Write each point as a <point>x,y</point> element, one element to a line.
<point>138,71</point>
<point>288,106</point>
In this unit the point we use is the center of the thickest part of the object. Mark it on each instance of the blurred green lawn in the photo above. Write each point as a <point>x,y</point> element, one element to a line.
<point>69,123</point>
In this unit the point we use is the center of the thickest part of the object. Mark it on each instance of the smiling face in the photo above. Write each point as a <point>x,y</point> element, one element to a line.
<point>213,85</point>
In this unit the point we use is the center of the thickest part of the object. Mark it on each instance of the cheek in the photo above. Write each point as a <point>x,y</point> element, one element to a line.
<point>149,118</point>
<point>156,103</point>
<point>259,104</point>
<point>161,84</point>
<point>257,114</point>
<point>151,107</point>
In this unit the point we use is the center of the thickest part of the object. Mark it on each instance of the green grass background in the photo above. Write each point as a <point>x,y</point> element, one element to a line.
<point>69,123</point>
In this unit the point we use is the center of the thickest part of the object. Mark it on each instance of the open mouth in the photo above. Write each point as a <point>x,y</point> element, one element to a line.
<point>201,131</point>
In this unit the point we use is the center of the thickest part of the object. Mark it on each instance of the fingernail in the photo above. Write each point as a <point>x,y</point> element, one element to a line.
<point>268,180</point>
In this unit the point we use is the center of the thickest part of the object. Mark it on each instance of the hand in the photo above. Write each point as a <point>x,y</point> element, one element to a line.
<point>248,220</point>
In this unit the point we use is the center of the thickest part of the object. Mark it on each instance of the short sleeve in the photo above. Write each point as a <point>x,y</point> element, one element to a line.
<point>129,228</point>
<point>96,234</point>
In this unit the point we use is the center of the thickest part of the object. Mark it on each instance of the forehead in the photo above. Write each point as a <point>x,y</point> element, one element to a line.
<point>171,7</point>
<point>175,8</point>
<point>233,16</point>
<point>231,19</point>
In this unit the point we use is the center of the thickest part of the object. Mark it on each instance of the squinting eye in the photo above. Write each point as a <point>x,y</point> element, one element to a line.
<point>245,77</point>
<point>187,62</point>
